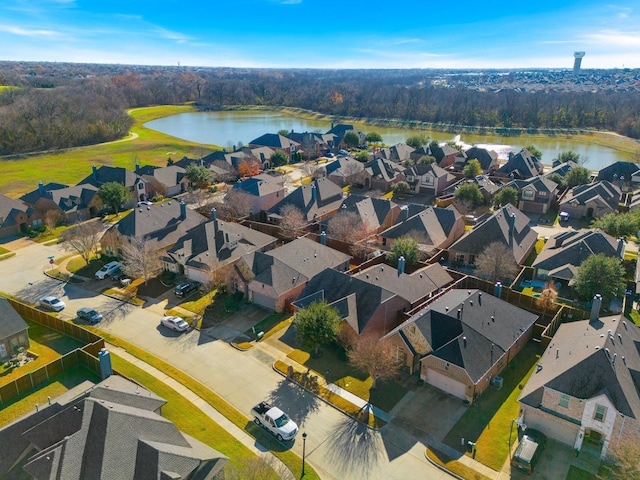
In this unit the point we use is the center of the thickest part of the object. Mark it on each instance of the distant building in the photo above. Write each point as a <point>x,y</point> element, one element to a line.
<point>577,61</point>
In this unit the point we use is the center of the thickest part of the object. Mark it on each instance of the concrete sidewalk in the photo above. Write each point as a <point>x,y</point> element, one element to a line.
<point>247,440</point>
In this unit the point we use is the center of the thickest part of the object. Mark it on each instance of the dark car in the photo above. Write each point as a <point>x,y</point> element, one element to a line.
<point>529,450</point>
<point>89,314</point>
<point>536,435</point>
<point>186,288</point>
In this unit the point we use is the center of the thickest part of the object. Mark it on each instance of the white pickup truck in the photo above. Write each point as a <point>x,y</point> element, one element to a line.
<point>274,420</point>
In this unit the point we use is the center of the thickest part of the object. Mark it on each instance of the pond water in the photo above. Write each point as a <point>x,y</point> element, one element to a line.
<point>228,128</point>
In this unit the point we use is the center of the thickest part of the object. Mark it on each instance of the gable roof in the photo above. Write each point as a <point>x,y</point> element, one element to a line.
<point>499,227</point>
<point>105,174</point>
<point>590,358</point>
<point>42,191</point>
<point>345,166</point>
<point>539,184</point>
<point>467,328</point>
<point>569,249</point>
<point>314,199</point>
<point>356,300</point>
<point>11,322</point>
<point>382,169</point>
<point>273,140</point>
<point>484,156</point>
<point>72,199</point>
<point>562,168</point>
<point>605,193</point>
<point>273,272</point>
<point>9,208</point>
<point>168,176</point>
<point>308,257</point>
<point>117,436</point>
<point>261,185</point>
<point>433,224</point>
<point>421,169</point>
<point>410,286</point>
<point>371,210</point>
<point>162,223</point>
<point>524,164</point>
<point>613,172</point>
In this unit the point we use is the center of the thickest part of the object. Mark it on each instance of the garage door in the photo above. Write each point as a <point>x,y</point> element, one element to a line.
<point>446,384</point>
<point>553,427</point>
<point>264,301</point>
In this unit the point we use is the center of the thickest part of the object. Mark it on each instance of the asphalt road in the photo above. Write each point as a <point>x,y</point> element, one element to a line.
<point>337,446</point>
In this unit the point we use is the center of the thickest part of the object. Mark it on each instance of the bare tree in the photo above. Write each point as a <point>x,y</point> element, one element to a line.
<point>141,258</point>
<point>236,204</point>
<point>292,223</point>
<point>496,262</point>
<point>362,240</point>
<point>343,224</point>
<point>83,238</point>
<point>53,218</point>
<point>547,298</point>
<point>375,356</point>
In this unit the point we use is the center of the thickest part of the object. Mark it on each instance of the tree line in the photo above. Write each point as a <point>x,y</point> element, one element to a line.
<point>63,105</point>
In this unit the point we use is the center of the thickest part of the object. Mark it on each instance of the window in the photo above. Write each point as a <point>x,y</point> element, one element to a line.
<point>542,194</point>
<point>459,258</point>
<point>601,412</point>
<point>527,194</point>
<point>564,400</point>
<point>37,222</point>
<point>427,180</point>
<point>401,356</point>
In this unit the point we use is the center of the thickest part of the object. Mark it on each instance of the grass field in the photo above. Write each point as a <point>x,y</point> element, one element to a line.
<point>18,172</point>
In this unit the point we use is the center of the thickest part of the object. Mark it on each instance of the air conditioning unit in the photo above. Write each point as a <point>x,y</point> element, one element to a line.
<point>497,382</point>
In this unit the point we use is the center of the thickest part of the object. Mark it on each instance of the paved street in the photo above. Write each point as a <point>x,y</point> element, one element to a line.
<point>337,446</point>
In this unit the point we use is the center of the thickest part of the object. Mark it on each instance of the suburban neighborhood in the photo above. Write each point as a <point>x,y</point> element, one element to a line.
<point>394,311</point>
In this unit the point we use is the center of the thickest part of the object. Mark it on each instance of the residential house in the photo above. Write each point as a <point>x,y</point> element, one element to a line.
<point>15,217</point>
<point>105,174</point>
<point>564,252</point>
<point>592,200</point>
<point>523,164</point>
<point>462,340</point>
<point>265,190</point>
<point>367,308</point>
<point>446,155</point>
<point>209,250</point>
<point>416,287</point>
<point>316,200</point>
<point>312,145</point>
<point>399,153</point>
<point>535,194</point>
<point>275,141</point>
<point>344,171</point>
<point>162,224</point>
<point>337,134</point>
<point>585,389</point>
<point>166,181</point>
<point>276,278</point>
<point>488,188</point>
<point>621,174</point>
<point>114,429</point>
<point>561,169</point>
<point>434,228</point>
<point>380,174</point>
<point>13,331</point>
<point>428,179</point>
<point>508,225</point>
<point>488,159</point>
<point>377,213</point>
<point>74,203</point>
<point>418,153</point>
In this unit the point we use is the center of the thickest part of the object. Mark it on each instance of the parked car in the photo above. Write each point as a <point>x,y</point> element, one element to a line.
<point>116,274</point>
<point>144,202</point>
<point>343,152</point>
<point>274,420</point>
<point>89,314</point>
<point>529,450</point>
<point>52,303</point>
<point>107,270</point>
<point>175,323</point>
<point>329,155</point>
<point>184,289</point>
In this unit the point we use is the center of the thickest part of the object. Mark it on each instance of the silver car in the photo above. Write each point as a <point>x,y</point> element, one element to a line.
<point>175,323</point>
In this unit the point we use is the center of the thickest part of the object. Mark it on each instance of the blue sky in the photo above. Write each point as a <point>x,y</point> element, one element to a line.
<point>323,33</point>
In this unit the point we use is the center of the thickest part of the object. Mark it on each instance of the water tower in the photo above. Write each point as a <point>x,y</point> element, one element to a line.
<point>578,60</point>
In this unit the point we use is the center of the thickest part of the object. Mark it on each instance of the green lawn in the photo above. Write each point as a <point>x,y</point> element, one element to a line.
<point>48,234</point>
<point>488,421</point>
<point>4,251</point>
<point>72,165</point>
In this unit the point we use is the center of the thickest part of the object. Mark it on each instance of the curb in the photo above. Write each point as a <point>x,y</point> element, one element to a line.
<point>440,467</point>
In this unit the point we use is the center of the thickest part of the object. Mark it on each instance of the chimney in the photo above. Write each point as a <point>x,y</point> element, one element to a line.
<point>183,211</point>
<point>464,341</point>
<point>479,298</point>
<point>313,193</point>
<point>595,308</point>
<point>137,166</point>
<point>400,266</point>
<point>620,250</point>
<point>214,214</point>
<point>323,238</point>
<point>405,213</point>
<point>95,172</point>
<point>41,189</point>
<point>512,226</point>
<point>497,289</point>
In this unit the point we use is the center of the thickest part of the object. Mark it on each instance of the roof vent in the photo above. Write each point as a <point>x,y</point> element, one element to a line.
<point>620,338</point>
<point>446,309</point>
<point>420,275</point>
<point>606,350</point>
<point>493,319</point>
<point>148,208</point>
<point>471,302</point>
<point>624,322</point>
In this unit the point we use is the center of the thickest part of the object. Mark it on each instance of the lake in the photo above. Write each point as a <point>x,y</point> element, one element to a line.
<point>228,128</point>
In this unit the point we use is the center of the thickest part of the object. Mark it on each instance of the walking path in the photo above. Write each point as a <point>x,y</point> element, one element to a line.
<point>247,440</point>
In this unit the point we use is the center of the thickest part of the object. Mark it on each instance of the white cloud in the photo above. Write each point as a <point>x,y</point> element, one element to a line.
<point>23,32</point>
<point>615,38</point>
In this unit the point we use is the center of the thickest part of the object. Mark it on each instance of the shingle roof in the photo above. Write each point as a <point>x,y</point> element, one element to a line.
<point>524,164</point>
<point>467,328</point>
<point>434,224</point>
<point>604,193</point>
<point>584,360</point>
<point>273,272</point>
<point>273,140</point>
<point>168,176</point>
<point>484,156</point>
<point>497,229</point>
<point>372,211</point>
<point>260,185</point>
<point>33,196</point>
<point>412,287</point>
<point>10,321</point>
<point>106,174</point>
<point>539,183</point>
<point>613,172</point>
<point>9,208</point>
<point>326,198</point>
<point>383,169</point>
<point>308,257</point>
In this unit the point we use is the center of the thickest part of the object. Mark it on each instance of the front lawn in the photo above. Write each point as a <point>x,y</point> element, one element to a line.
<point>4,251</point>
<point>50,234</point>
<point>488,421</point>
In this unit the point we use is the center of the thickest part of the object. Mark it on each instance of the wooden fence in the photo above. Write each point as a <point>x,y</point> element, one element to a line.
<point>86,356</point>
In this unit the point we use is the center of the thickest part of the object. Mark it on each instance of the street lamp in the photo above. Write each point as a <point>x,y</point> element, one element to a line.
<point>304,444</point>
